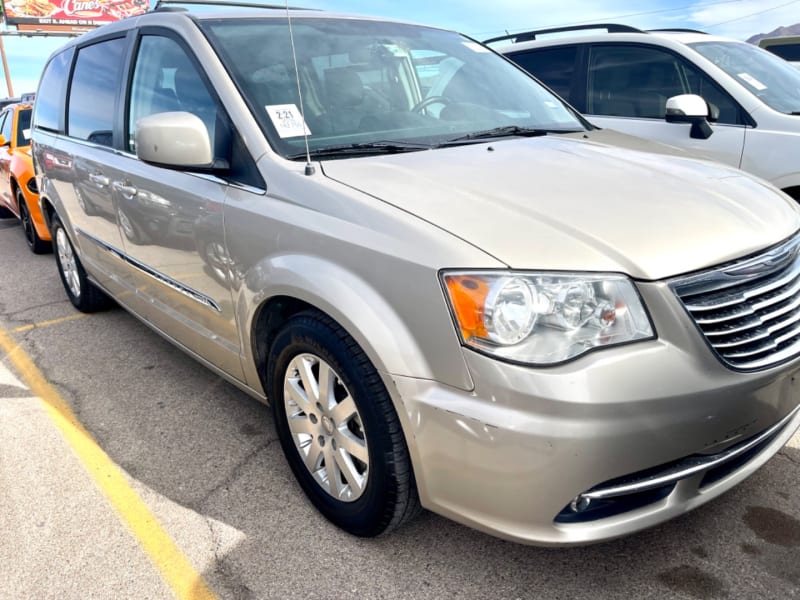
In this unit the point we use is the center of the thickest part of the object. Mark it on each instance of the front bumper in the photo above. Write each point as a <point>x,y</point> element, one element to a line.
<point>511,455</point>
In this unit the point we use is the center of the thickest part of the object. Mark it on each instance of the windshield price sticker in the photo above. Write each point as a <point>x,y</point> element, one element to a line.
<point>475,47</point>
<point>287,120</point>
<point>752,81</point>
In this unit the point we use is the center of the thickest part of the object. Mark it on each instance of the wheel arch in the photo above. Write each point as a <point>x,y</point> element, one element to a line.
<point>275,311</point>
<point>291,283</point>
<point>47,211</point>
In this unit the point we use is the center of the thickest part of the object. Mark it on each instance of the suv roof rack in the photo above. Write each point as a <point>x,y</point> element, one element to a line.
<point>176,5</point>
<point>676,30</point>
<point>531,35</point>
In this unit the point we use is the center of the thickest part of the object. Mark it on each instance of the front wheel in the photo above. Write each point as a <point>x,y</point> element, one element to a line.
<point>84,295</point>
<point>338,427</point>
<point>36,244</point>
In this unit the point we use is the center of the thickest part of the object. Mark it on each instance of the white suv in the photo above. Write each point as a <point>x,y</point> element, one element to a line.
<point>641,83</point>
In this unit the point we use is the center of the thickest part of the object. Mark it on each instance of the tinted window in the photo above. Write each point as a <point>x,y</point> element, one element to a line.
<point>50,103</point>
<point>786,51</point>
<point>555,67</point>
<point>5,126</point>
<point>636,81</point>
<point>90,109</point>
<point>24,127</point>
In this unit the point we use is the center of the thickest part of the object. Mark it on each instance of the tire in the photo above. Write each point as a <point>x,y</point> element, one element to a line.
<point>372,490</point>
<point>84,295</point>
<point>36,244</point>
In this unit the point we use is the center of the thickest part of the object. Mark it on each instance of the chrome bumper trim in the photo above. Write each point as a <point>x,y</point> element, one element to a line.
<point>687,467</point>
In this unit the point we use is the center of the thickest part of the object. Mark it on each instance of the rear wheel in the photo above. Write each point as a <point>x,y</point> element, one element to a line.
<point>35,243</point>
<point>83,294</point>
<point>338,427</point>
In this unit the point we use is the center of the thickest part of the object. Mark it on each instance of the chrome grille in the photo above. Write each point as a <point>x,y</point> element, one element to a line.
<point>749,311</point>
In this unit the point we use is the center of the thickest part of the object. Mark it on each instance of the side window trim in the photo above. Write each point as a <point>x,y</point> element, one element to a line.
<point>745,119</point>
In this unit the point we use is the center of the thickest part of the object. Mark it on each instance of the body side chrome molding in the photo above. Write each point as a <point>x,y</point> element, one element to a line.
<point>158,276</point>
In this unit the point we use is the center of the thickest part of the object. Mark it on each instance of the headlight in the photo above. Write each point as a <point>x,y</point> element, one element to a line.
<point>544,318</point>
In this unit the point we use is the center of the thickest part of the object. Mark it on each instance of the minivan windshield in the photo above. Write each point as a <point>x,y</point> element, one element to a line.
<point>370,86</point>
<point>770,78</point>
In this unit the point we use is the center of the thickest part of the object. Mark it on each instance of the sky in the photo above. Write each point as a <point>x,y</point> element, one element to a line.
<point>482,19</point>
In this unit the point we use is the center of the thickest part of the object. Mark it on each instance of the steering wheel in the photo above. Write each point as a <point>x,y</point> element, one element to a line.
<point>428,101</point>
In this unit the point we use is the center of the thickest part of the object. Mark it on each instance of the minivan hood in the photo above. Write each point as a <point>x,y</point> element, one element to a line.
<point>574,203</point>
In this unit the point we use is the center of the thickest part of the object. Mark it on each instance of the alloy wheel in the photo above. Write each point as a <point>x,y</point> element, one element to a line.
<point>66,259</point>
<point>326,427</point>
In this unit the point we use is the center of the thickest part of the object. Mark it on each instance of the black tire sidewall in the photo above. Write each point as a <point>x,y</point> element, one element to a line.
<point>369,514</point>
<point>35,243</point>
<point>76,300</point>
<point>30,237</point>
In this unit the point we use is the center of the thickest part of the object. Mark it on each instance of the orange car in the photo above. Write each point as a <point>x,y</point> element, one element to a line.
<point>19,196</point>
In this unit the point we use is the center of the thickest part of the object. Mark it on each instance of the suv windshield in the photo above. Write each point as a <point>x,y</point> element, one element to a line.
<point>375,86</point>
<point>770,78</point>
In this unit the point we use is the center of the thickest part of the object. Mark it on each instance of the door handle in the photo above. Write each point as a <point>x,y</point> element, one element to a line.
<point>98,179</point>
<point>125,189</point>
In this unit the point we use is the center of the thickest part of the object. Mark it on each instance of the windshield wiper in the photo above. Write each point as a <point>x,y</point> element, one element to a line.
<point>364,148</point>
<point>506,131</point>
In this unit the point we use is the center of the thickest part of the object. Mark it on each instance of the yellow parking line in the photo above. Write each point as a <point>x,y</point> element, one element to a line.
<point>173,565</point>
<point>48,323</point>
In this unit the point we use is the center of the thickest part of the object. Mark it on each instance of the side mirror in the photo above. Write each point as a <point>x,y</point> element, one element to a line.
<point>175,140</point>
<point>690,108</point>
<point>3,141</point>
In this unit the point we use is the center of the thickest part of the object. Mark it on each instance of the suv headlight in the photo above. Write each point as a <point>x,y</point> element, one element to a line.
<point>544,318</point>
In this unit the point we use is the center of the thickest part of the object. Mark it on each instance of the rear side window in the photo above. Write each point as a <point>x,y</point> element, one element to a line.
<point>49,106</point>
<point>90,108</point>
<point>555,67</point>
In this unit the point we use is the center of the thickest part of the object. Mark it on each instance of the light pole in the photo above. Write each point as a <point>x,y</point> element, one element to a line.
<point>5,69</point>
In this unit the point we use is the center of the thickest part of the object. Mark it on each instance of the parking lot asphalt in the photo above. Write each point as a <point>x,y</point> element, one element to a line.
<point>169,482</point>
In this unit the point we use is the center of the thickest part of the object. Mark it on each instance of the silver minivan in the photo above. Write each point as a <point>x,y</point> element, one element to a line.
<point>454,292</point>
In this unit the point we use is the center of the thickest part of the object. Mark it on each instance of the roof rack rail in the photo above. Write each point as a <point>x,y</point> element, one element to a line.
<point>531,35</point>
<point>172,5</point>
<point>676,30</point>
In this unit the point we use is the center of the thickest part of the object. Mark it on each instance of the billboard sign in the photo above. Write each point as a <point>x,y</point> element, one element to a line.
<point>84,13</point>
